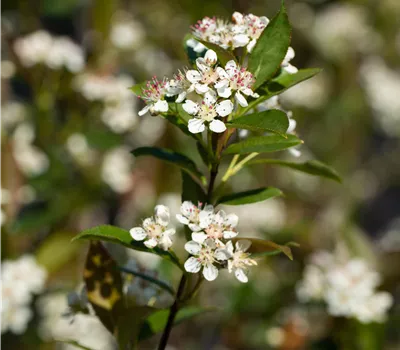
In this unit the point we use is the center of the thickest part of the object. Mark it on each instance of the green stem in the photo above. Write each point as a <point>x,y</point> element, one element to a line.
<point>172,314</point>
<point>243,162</point>
<point>148,278</point>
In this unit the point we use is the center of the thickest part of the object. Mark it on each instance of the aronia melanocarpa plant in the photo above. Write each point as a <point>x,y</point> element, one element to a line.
<point>225,101</point>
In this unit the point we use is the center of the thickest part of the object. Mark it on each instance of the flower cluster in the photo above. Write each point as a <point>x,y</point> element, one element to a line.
<point>20,280</point>
<point>154,230</point>
<point>207,92</point>
<point>211,246</point>
<point>348,286</point>
<point>41,47</point>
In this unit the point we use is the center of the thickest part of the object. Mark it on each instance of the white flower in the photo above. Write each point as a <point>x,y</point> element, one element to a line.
<point>216,227</point>
<point>238,259</point>
<point>116,169</point>
<point>207,111</point>
<point>65,53</point>
<point>312,286</point>
<point>205,75</point>
<point>193,216</point>
<point>206,255</point>
<point>153,95</point>
<point>33,48</point>
<point>286,65</point>
<point>197,47</point>
<point>154,230</point>
<point>236,79</point>
<point>180,86</point>
<point>127,34</point>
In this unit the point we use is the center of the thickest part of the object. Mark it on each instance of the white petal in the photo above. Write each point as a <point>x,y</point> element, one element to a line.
<point>187,208</point>
<point>229,247</point>
<point>241,275</point>
<point>161,106</point>
<point>294,152</point>
<point>151,243</point>
<point>205,218</point>
<point>192,265</point>
<point>210,98</point>
<point>231,220</point>
<point>144,110</point>
<point>181,97</point>
<point>237,17</point>
<point>219,218</point>
<point>202,65</point>
<point>193,76</point>
<point>217,126</point>
<point>138,233</point>
<point>289,55</point>
<point>201,88</point>
<point>165,242</point>
<point>210,272</point>
<point>247,91</point>
<point>209,207</point>
<point>190,107</point>
<point>182,219</point>
<point>169,232</point>
<point>196,125</point>
<point>222,254</point>
<point>292,126</point>
<point>241,100</point>
<point>291,69</point>
<point>148,222</point>
<point>222,83</point>
<point>224,91</point>
<point>161,214</point>
<point>194,227</point>
<point>193,247</point>
<point>243,245</point>
<point>199,237</point>
<point>230,65</point>
<point>211,57</point>
<point>222,73</point>
<point>240,40</point>
<point>251,45</point>
<point>224,108</point>
<point>230,234</point>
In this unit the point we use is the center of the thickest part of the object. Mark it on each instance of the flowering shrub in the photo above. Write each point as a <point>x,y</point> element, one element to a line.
<point>227,104</point>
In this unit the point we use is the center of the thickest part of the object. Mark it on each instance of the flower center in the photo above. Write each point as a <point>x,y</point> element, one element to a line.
<point>155,231</point>
<point>214,231</point>
<point>207,113</point>
<point>206,256</point>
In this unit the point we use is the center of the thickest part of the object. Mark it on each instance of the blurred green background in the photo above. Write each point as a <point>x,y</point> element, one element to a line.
<point>67,133</point>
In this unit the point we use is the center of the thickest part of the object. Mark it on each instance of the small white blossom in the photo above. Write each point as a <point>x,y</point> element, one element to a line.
<point>193,216</point>
<point>180,86</point>
<point>286,62</point>
<point>205,74</point>
<point>116,169</point>
<point>153,95</point>
<point>154,231</point>
<point>234,78</point>
<point>207,111</point>
<point>238,259</point>
<point>205,256</point>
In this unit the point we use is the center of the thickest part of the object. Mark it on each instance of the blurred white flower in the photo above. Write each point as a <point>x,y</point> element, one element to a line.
<point>78,146</point>
<point>381,85</point>
<point>347,286</point>
<point>5,199</point>
<point>342,29</point>
<point>12,113</point>
<point>154,230</point>
<point>20,280</point>
<point>127,34</point>
<point>116,169</point>
<point>55,52</point>
<point>275,336</point>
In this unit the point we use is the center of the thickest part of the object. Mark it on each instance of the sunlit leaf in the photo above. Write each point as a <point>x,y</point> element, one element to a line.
<point>252,196</point>
<point>261,144</point>
<point>120,236</point>
<point>272,120</point>
<point>271,48</point>
<point>175,158</point>
<point>312,167</point>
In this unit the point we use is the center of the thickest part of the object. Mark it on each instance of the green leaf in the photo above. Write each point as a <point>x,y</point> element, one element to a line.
<point>156,322</point>
<point>285,81</point>
<point>120,236</point>
<point>272,120</point>
<point>312,167</point>
<point>137,89</point>
<point>270,49</point>
<point>185,163</point>
<point>262,144</point>
<point>252,196</point>
<point>262,247</point>
<point>223,55</point>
